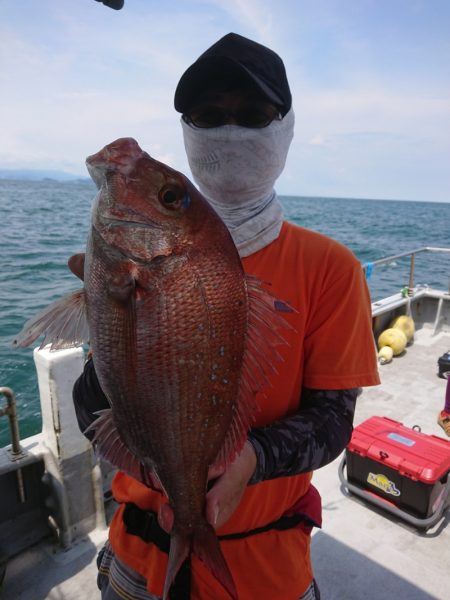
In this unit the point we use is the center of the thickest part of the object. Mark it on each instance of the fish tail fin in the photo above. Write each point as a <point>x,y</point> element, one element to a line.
<point>206,547</point>
<point>180,547</point>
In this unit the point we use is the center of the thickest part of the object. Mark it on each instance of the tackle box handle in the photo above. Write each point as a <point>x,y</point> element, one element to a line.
<point>398,512</point>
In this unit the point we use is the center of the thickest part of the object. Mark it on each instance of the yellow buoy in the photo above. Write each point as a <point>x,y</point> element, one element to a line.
<point>394,338</point>
<point>385,355</point>
<point>405,324</point>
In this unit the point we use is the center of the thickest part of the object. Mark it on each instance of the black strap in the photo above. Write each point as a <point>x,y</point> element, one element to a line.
<point>145,525</point>
<point>281,524</point>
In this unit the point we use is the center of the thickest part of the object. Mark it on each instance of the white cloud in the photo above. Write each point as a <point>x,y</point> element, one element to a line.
<point>317,140</point>
<point>75,76</point>
<point>388,114</point>
<point>251,15</point>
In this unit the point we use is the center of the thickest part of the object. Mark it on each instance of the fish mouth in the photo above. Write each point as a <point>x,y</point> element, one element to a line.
<point>120,156</point>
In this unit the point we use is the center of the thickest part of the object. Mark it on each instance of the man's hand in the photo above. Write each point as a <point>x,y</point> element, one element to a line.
<point>225,494</point>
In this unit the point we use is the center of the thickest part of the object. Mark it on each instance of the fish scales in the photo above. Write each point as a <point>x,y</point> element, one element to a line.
<point>183,396</point>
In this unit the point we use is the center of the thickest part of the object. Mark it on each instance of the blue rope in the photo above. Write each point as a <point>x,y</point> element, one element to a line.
<point>369,270</point>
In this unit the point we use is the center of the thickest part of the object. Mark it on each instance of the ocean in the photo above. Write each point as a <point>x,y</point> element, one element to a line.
<point>45,222</point>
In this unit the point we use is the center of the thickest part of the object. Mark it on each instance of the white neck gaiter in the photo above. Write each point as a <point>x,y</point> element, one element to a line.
<point>236,168</point>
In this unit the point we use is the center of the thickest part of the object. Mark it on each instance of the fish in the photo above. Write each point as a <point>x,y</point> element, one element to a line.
<point>181,338</point>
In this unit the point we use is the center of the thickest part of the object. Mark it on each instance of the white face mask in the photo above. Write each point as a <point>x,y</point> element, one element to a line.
<point>236,168</point>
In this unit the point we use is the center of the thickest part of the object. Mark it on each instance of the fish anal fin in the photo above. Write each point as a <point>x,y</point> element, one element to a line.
<point>260,358</point>
<point>112,449</point>
<point>63,323</point>
<point>206,547</point>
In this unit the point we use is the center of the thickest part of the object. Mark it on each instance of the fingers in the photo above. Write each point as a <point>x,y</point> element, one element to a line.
<point>224,496</point>
<point>212,510</point>
<point>215,471</point>
<point>165,517</point>
<point>223,499</point>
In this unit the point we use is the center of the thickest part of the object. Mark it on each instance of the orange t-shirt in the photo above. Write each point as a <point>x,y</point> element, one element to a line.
<point>330,346</point>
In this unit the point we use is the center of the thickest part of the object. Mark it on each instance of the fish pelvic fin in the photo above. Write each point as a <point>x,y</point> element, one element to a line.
<point>111,448</point>
<point>63,323</point>
<point>206,547</point>
<point>265,322</point>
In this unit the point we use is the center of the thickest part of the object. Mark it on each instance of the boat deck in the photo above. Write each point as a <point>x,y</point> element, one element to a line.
<point>360,552</point>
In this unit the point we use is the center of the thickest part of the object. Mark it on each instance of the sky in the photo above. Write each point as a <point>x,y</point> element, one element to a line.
<point>370,81</point>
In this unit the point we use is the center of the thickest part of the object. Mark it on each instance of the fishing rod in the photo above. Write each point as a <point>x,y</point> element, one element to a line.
<point>115,4</point>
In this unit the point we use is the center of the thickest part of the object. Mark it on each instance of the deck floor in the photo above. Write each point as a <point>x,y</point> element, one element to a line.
<point>360,553</point>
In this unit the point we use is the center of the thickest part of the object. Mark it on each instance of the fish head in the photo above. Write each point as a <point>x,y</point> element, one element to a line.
<point>144,207</point>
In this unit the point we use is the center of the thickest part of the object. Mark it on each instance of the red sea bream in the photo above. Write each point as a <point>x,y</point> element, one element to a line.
<point>182,340</point>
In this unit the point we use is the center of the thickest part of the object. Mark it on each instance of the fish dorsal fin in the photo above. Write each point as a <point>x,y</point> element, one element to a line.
<point>63,323</point>
<point>264,324</point>
<point>111,448</point>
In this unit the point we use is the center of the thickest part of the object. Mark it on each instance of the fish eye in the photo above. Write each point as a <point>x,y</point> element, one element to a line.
<point>173,197</point>
<point>169,197</point>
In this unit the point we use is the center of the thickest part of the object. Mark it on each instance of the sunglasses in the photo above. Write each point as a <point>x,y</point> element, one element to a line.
<point>253,118</point>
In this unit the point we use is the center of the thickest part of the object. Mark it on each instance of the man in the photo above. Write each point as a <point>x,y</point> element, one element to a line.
<point>238,123</point>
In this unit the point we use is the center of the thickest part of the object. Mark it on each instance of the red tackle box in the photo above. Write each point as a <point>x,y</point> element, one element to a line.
<point>399,469</point>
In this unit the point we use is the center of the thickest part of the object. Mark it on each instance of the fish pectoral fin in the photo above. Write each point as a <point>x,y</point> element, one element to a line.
<point>111,448</point>
<point>63,323</point>
<point>76,264</point>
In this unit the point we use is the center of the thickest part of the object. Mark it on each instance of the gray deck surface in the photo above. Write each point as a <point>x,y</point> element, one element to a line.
<point>360,553</point>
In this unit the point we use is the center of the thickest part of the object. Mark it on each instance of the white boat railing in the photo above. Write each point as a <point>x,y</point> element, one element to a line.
<point>368,266</point>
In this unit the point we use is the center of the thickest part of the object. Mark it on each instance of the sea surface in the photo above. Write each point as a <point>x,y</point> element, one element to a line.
<point>45,222</point>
